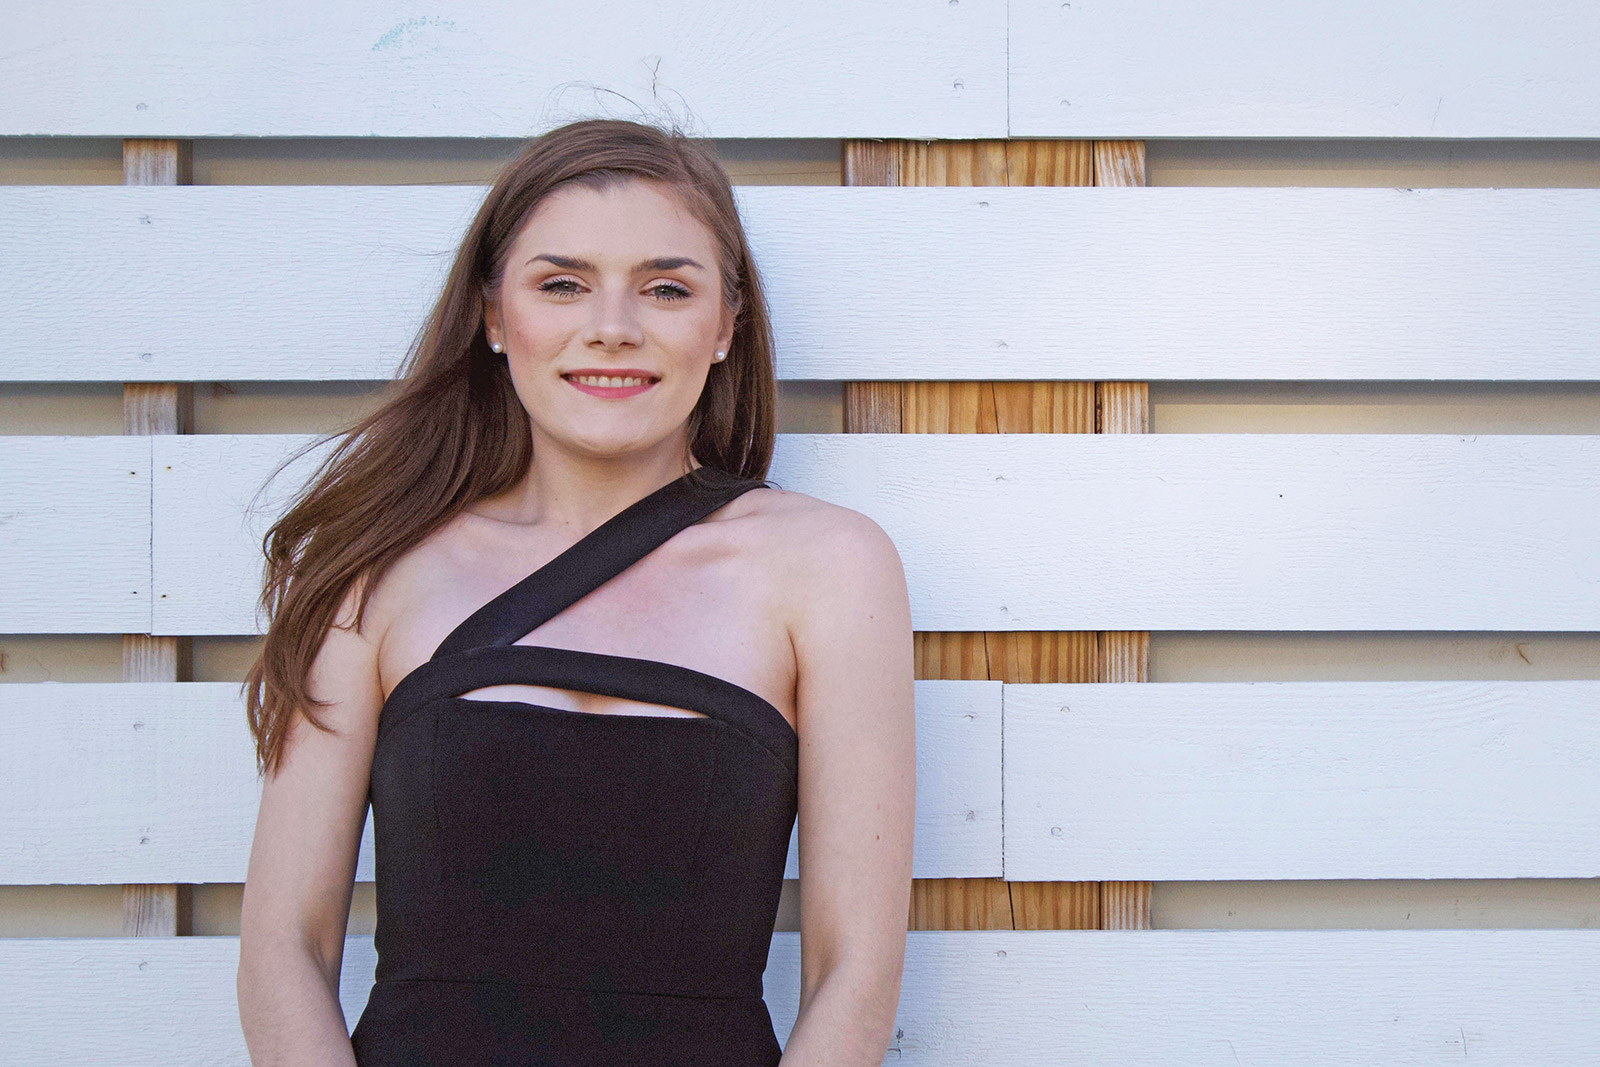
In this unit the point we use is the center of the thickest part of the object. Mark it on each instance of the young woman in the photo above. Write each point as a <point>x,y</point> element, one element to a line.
<point>541,610</point>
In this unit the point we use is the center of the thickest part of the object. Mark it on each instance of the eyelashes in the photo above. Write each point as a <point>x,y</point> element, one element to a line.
<point>678,292</point>
<point>665,290</point>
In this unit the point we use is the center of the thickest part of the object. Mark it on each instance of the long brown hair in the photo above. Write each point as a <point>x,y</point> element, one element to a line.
<point>452,430</point>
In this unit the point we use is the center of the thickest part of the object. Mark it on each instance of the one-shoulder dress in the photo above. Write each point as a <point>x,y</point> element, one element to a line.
<point>566,888</point>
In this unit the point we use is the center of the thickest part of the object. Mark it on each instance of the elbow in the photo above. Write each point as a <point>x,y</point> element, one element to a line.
<point>873,984</point>
<point>267,960</point>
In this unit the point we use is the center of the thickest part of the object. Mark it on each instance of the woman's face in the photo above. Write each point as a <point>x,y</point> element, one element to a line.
<point>610,313</point>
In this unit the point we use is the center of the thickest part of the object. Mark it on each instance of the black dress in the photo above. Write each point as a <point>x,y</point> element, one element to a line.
<point>564,888</point>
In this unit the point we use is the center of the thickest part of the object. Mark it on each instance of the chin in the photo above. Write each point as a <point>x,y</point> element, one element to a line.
<point>613,447</point>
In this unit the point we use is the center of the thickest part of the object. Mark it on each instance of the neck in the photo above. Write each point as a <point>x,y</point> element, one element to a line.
<point>580,492</point>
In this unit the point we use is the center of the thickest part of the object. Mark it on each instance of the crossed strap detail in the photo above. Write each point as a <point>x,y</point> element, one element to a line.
<point>596,558</point>
<point>482,650</point>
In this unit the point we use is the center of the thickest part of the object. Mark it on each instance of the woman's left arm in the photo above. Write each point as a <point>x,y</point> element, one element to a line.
<point>857,789</point>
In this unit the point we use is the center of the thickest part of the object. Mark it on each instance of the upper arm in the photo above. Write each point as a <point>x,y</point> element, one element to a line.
<point>857,747</point>
<point>308,828</point>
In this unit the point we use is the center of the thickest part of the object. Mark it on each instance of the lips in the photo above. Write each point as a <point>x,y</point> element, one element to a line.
<point>614,384</point>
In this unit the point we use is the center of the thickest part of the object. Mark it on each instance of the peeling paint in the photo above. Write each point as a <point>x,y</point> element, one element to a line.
<point>395,38</point>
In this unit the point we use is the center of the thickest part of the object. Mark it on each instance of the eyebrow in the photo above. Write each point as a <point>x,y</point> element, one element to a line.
<point>658,263</point>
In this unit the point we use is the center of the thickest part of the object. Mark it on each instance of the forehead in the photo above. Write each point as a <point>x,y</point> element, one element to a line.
<point>629,219</point>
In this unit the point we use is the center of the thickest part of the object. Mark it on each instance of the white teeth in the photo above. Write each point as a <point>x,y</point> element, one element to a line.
<point>607,382</point>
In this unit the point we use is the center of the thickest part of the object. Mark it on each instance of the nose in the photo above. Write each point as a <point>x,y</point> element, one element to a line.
<point>616,319</point>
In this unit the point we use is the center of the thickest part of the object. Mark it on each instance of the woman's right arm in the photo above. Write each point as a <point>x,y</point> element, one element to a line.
<point>302,863</point>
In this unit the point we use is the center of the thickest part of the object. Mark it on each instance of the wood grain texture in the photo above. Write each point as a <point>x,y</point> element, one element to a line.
<point>1124,655</point>
<point>297,283</point>
<point>157,910</point>
<point>973,407</point>
<point>149,161</point>
<point>1254,68</point>
<point>1345,998</point>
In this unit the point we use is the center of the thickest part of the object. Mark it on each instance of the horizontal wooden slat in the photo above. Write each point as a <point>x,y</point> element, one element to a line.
<point>1282,780</point>
<point>1135,284</point>
<point>150,782</point>
<point>74,534</point>
<point>1208,998</point>
<point>1097,531</point>
<point>1091,69</point>
<point>1226,531</point>
<point>1256,68</point>
<point>723,68</point>
<point>110,782</point>
<point>212,505</point>
<point>156,782</point>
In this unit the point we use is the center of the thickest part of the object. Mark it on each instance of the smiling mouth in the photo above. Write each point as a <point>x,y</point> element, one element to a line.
<point>611,386</point>
<point>611,381</point>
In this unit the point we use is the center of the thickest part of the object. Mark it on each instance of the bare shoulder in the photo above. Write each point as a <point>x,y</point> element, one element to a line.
<point>804,527</point>
<point>823,552</point>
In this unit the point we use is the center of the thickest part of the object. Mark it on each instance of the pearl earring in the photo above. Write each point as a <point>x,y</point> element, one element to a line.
<point>720,356</point>
<point>495,347</point>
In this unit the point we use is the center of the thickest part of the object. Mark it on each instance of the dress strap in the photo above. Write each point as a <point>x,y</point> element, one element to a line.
<point>596,558</point>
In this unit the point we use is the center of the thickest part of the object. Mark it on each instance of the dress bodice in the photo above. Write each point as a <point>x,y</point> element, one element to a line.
<point>571,888</point>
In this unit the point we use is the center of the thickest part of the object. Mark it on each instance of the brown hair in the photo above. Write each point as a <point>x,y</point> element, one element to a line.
<point>452,431</point>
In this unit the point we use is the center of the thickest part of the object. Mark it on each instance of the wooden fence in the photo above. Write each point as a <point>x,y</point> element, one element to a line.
<point>995,285</point>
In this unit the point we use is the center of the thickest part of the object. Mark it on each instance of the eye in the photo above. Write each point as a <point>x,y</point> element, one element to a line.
<point>551,287</point>
<point>670,291</point>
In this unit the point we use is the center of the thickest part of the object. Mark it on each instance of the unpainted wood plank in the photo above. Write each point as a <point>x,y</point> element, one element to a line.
<point>157,408</point>
<point>1056,905</point>
<point>1123,407</point>
<point>934,407</point>
<point>872,407</point>
<point>154,161</point>
<point>967,407</point>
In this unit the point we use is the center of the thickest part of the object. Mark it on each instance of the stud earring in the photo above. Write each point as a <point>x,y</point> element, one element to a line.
<point>495,347</point>
<point>720,356</point>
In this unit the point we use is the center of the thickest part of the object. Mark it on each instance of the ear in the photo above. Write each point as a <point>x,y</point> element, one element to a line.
<point>725,327</point>
<point>491,320</point>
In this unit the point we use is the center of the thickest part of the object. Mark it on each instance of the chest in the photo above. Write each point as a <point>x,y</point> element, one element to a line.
<point>697,602</point>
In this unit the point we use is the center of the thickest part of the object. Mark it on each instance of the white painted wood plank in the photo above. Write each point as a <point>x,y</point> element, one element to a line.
<point>1276,780</point>
<point>1254,68</point>
<point>1142,284</point>
<point>213,503</point>
<point>721,68</point>
<point>105,783</point>
<point>1004,998</point>
<point>74,534</point>
<point>287,281</point>
<point>1226,531</point>
<point>117,782</point>
<point>1098,531</point>
<point>113,782</point>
